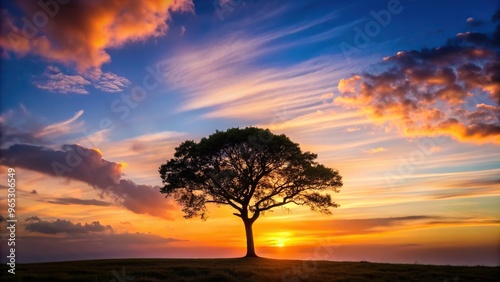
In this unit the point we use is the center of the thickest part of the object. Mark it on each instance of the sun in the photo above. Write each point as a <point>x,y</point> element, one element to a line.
<point>280,242</point>
<point>279,239</point>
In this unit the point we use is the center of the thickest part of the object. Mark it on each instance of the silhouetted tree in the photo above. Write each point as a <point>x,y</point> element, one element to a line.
<point>252,170</point>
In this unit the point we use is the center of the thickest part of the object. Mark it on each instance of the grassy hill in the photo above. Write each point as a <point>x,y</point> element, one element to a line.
<point>242,269</point>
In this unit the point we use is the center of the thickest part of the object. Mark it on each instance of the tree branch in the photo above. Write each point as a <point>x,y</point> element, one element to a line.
<point>226,195</point>
<point>275,205</point>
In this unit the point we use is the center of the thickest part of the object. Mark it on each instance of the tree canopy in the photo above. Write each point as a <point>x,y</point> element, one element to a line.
<point>252,170</point>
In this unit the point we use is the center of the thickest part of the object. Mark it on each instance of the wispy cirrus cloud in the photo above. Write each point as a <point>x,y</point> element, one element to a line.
<point>22,126</point>
<point>469,188</point>
<point>92,27</point>
<point>60,127</point>
<point>363,226</point>
<point>223,76</point>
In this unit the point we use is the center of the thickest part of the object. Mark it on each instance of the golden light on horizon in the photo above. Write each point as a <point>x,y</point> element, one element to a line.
<point>279,239</point>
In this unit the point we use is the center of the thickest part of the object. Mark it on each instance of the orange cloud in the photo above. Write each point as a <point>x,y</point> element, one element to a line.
<point>452,90</point>
<point>79,32</point>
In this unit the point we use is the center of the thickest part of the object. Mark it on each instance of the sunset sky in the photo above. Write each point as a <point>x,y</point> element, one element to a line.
<point>402,97</point>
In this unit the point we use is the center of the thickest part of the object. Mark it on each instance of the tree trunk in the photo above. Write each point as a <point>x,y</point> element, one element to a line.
<point>250,245</point>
